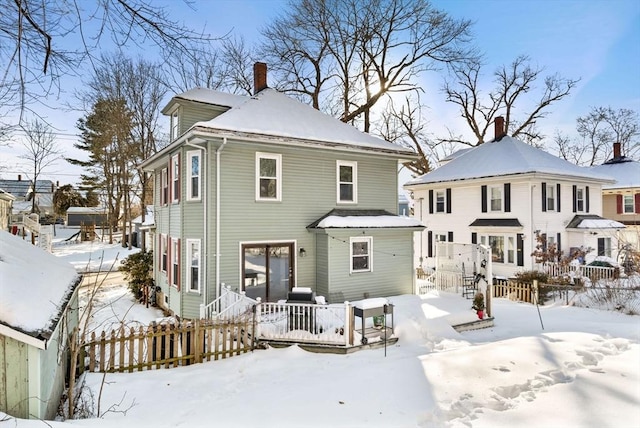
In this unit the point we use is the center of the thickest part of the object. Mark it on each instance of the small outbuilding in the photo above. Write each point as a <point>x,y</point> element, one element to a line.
<point>77,216</point>
<point>38,310</point>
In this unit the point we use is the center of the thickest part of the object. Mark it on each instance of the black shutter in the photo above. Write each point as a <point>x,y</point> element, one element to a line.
<point>429,244</point>
<point>431,201</point>
<point>507,197</point>
<point>449,201</point>
<point>520,249</point>
<point>449,236</point>
<point>575,198</point>
<point>544,197</point>
<point>558,195</point>
<point>483,195</point>
<point>601,246</point>
<point>586,191</point>
<point>559,244</point>
<point>474,238</point>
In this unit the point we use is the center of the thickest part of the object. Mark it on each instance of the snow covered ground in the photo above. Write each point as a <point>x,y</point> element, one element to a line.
<point>566,366</point>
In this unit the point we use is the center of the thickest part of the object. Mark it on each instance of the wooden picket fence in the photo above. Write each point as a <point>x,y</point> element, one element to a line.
<point>165,345</point>
<point>518,291</point>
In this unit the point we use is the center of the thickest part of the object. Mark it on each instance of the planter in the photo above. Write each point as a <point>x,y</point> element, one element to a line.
<point>480,314</point>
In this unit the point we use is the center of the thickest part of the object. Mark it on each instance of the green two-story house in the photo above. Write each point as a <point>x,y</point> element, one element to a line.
<point>264,193</point>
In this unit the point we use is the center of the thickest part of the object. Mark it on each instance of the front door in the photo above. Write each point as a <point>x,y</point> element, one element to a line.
<point>267,270</point>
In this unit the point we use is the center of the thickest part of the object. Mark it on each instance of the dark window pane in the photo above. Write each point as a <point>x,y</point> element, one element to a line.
<point>346,174</point>
<point>346,192</point>
<point>267,167</point>
<point>268,188</point>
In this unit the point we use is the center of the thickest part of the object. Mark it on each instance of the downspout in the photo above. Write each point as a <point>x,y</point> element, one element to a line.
<point>218,150</point>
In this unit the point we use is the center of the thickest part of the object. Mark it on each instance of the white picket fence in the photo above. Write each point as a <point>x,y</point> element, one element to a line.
<point>580,271</point>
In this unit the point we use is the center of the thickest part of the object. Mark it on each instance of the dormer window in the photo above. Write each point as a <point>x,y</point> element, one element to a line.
<point>175,125</point>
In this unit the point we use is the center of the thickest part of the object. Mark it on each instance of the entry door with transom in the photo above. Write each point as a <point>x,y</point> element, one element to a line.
<point>267,270</point>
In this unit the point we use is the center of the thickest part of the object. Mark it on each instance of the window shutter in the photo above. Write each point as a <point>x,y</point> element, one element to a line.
<point>637,202</point>
<point>601,246</point>
<point>449,201</point>
<point>169,263</point>
<point>575,198</point>
<point>449,236</point>
<point>507,197</point>
<point>177,195</point>
<point>429,244</point>
<point>586,191</point>
<point>431,201</point>
<point>559,244</point>
<point>159,247</point>
<point>474,238</point>
<point>619,207</point>
<point>544,197</point>
<point>520,249</point>
<point>558,196</point>
<point>483,195</point>
<point>169,184</point>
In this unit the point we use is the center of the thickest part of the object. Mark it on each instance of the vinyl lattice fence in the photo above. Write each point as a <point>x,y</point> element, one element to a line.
<point>164,345</point>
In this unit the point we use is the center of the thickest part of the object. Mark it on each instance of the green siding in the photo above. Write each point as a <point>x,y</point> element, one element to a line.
<point>192,114</point>
<point>14,377</point>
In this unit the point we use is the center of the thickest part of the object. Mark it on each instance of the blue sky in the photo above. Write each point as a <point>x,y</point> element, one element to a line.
<point>595,40</point>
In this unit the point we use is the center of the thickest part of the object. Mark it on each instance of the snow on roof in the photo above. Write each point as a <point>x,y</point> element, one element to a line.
<point>508,156</point>
<point>592,221</point>
<point>208,96</point>
<point>85,210</point>
<point>35,285</point>
<point>275,114</point>
<point>352,218</point>
<point>626,174</point>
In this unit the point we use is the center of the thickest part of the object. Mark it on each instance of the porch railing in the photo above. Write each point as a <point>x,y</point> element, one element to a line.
<point>580,271</point>
<point>229,305</point>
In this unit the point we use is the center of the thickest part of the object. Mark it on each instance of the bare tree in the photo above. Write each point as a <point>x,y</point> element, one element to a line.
<point>41,151</point>
<point>352,53</point>
<point>597,131</point>
<point>34,58</point>
<point>515,83</point>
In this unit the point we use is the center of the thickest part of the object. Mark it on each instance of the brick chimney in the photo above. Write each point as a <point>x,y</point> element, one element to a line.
<point>499,128</point>
<point>616,151</point>
<point>259,77</point>
<point>19,177</point>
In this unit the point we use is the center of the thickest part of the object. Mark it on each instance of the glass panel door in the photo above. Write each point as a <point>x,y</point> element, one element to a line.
<point>268,271</point>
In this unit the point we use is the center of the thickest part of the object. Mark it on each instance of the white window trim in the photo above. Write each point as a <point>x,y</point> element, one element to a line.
<point>175,177</point>
<point>551,188</point>
<point>190,155</point>
<point>354,183</point>
<point>489,196</point>
<point>624,205</point>
<point>163,252</point>
<point>175,124</point>
<point>164,184</point>
<point>483,238</point>
<point>278,177</point>
<point>175,262</point>
<point>197,243</point>
<point>583,199</point>
<point>444,201</point>
<point>367,239</point>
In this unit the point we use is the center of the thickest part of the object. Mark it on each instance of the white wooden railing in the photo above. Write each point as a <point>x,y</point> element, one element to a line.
<point>228,306</point>
<point>304,323</point>
<point>579,271</point>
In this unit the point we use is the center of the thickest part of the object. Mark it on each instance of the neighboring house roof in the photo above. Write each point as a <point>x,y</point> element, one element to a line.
<point>22,188</point>
<point>148,218</point>
<point>496,222</point>
<point>592,221</point>
<point>345,218</point>
<point>22,207</point>
<point>35,287</point>
<point>505,157</point>
<point>6,196</point>
<point>86,210</point>
<point>625,171</point>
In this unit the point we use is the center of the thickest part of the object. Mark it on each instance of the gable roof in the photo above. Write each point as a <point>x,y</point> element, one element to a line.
<point>21,188</point>
<point>626,172</point>
<point>32,299</point>
<point>505,157</point>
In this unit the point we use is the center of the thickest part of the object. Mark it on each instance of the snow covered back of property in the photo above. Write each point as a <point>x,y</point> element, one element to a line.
<point>34,284</point>
<point>368,221</point>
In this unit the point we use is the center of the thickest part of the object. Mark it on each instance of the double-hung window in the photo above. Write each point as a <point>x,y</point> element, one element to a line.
<point>175,262</point>
<point>193,179</point>
<point>551,197</point>
<point>347,181</point>
<point>268,177</point>
<point>440,201</point>
<point>495,201</point>
<point>627,204</point>
<point>175,125</point>
<point>164,186</point>
<point>175,178</point>
<point>580,199</point>
<point>163,252</point>
<point>193,256</point>
<point>361,254</point>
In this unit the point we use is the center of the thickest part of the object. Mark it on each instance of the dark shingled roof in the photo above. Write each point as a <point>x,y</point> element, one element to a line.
<point>496,222</point>
<point>577,219</point>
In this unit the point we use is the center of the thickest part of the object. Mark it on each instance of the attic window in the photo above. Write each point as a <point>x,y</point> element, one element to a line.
<point>175,125</point>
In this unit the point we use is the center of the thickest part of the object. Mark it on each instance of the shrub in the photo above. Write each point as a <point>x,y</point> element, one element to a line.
<point>137,271</point>
<point>531,275</point>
